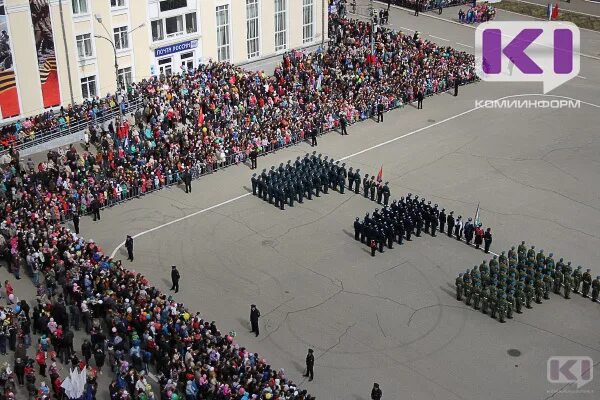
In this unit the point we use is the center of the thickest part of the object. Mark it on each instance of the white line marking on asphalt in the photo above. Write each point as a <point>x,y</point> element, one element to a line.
<point>437,37</point>
<point>466,45</point>
<point>204,210</point>
<point>581,77</point>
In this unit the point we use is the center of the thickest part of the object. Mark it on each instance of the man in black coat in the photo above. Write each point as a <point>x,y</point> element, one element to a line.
<point>456,85</point>
<point>310,364</point>
<point>129,247</point>
<point>95,207</point>
<point>253,157</point>
<point>379,112</point>
<point>450,222</point>
<point>187,180</point>
<point>343,124</point>
<point>76,222</point>
<point>175,278</point>
<point>487,239</point>
<point>254,315</point>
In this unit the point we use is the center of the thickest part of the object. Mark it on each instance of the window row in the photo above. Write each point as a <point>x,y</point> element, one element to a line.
<point>89,84</point>
<point>85,48</point>
<point>253,21</point>
<point>82,6</point>
<point>174,26</point>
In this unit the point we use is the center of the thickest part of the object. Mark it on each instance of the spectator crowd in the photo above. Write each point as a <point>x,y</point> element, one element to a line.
<point>194,121</point>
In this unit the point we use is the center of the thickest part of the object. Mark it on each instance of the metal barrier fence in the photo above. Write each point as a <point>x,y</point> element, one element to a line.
<point>203,168</point>
<point>76,127</point>
<point>427,5</point>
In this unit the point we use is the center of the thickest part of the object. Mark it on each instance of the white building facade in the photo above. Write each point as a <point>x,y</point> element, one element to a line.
<point>85,48</point>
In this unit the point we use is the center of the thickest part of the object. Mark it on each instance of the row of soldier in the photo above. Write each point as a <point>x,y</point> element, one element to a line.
<point>519,279</point>
<point>304,178</point>
<point>399,221</point>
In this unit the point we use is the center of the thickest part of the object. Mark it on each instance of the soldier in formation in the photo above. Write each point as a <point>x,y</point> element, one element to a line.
<point>306,177</point>
<point>523,277</point>
<point>396,222</point>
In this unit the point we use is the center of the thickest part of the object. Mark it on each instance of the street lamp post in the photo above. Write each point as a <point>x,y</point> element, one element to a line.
<point>108,39</point>
<point>99,19</point>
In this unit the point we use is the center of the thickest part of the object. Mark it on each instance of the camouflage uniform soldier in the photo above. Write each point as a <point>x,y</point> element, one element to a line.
<point>528,295</point>
<point>587,282</point>
<point>459,287</point>
<point>557,281</point>
<point>476,295</point>
<point>576,279</point>
<point>519,297</point>
<point>502,259</point>
<point>510,304</point>
<point>512,254</point>
<point>485,295</point>
<point>537,285</point>
<point>502,305</point>
<point>547,286</point>
<point>493,301</point>
<point>468,292</point>
<point>595,288</point>
<point>540,257</point>
<point>568,282</point>
<point>550,261</point>
<point>531,253</point>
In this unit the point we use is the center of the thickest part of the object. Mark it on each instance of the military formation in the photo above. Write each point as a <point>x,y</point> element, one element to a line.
<point>517,280</point>
<point>304,178</point>
<point>397,222</point>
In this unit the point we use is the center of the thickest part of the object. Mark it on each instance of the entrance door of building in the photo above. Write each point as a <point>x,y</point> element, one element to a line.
<point>187,60</point>
<point>165,66</point>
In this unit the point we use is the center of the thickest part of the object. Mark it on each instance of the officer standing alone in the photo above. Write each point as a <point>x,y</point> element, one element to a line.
<point>175,278</point>
<point>129,247</point>
<point>254,315</point>
<point>310,363</point>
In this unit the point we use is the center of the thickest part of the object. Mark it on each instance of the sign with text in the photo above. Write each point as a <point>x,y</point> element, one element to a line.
<point>175,48</point>
<point>527,51</point>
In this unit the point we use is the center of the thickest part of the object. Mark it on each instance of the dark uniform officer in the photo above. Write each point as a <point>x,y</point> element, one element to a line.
<point>357,181</point>
<point>450,222</point>
<point>386,193</point>
<point>175,279</point>
<point>254,182</point>
<point>350,178</point>
<point>129,247</point>
<point>254,315</point>
<point>357,228</point>
<point>310,363</point>
<point>366,186</point>
<point>442,219</point>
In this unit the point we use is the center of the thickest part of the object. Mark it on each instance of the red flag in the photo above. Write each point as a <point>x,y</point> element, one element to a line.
<point>200,117</point>
<point>555,11</point>
<point>380,174</point>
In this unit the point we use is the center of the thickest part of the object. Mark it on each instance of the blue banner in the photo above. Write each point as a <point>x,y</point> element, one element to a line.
<point>175,48</point>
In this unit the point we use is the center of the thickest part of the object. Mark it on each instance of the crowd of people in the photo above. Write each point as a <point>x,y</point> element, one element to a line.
<point>482,12</point>
<point>515,280</point>
<point>215,114</point>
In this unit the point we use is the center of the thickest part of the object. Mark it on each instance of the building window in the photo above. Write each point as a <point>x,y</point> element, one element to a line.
<point>190,23</point>
<point>167,5</point>
<point>165,66</point>
<point>252,28</point>
<point>223,43</point>
<point>84,46</point>
<point>125,77</point>
<point>117,3</point>
<point>88,87</point>
<point>174,26</point>
<point>308,21</point>
<point>121,38</point>
<point>158,32</point>
<point>80,6</point>
<point>187,61</point>
<point>280,25</point>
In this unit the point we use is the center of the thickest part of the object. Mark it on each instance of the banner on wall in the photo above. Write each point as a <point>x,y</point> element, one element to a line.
<point>44,42</point>
<point>9,95</point>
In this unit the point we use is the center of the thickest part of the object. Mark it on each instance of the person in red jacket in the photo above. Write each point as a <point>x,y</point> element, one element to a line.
<point>478,236</point>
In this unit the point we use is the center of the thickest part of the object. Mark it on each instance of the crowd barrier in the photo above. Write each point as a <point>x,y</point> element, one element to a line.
<point>73,128</point>
<point>426,5</point>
